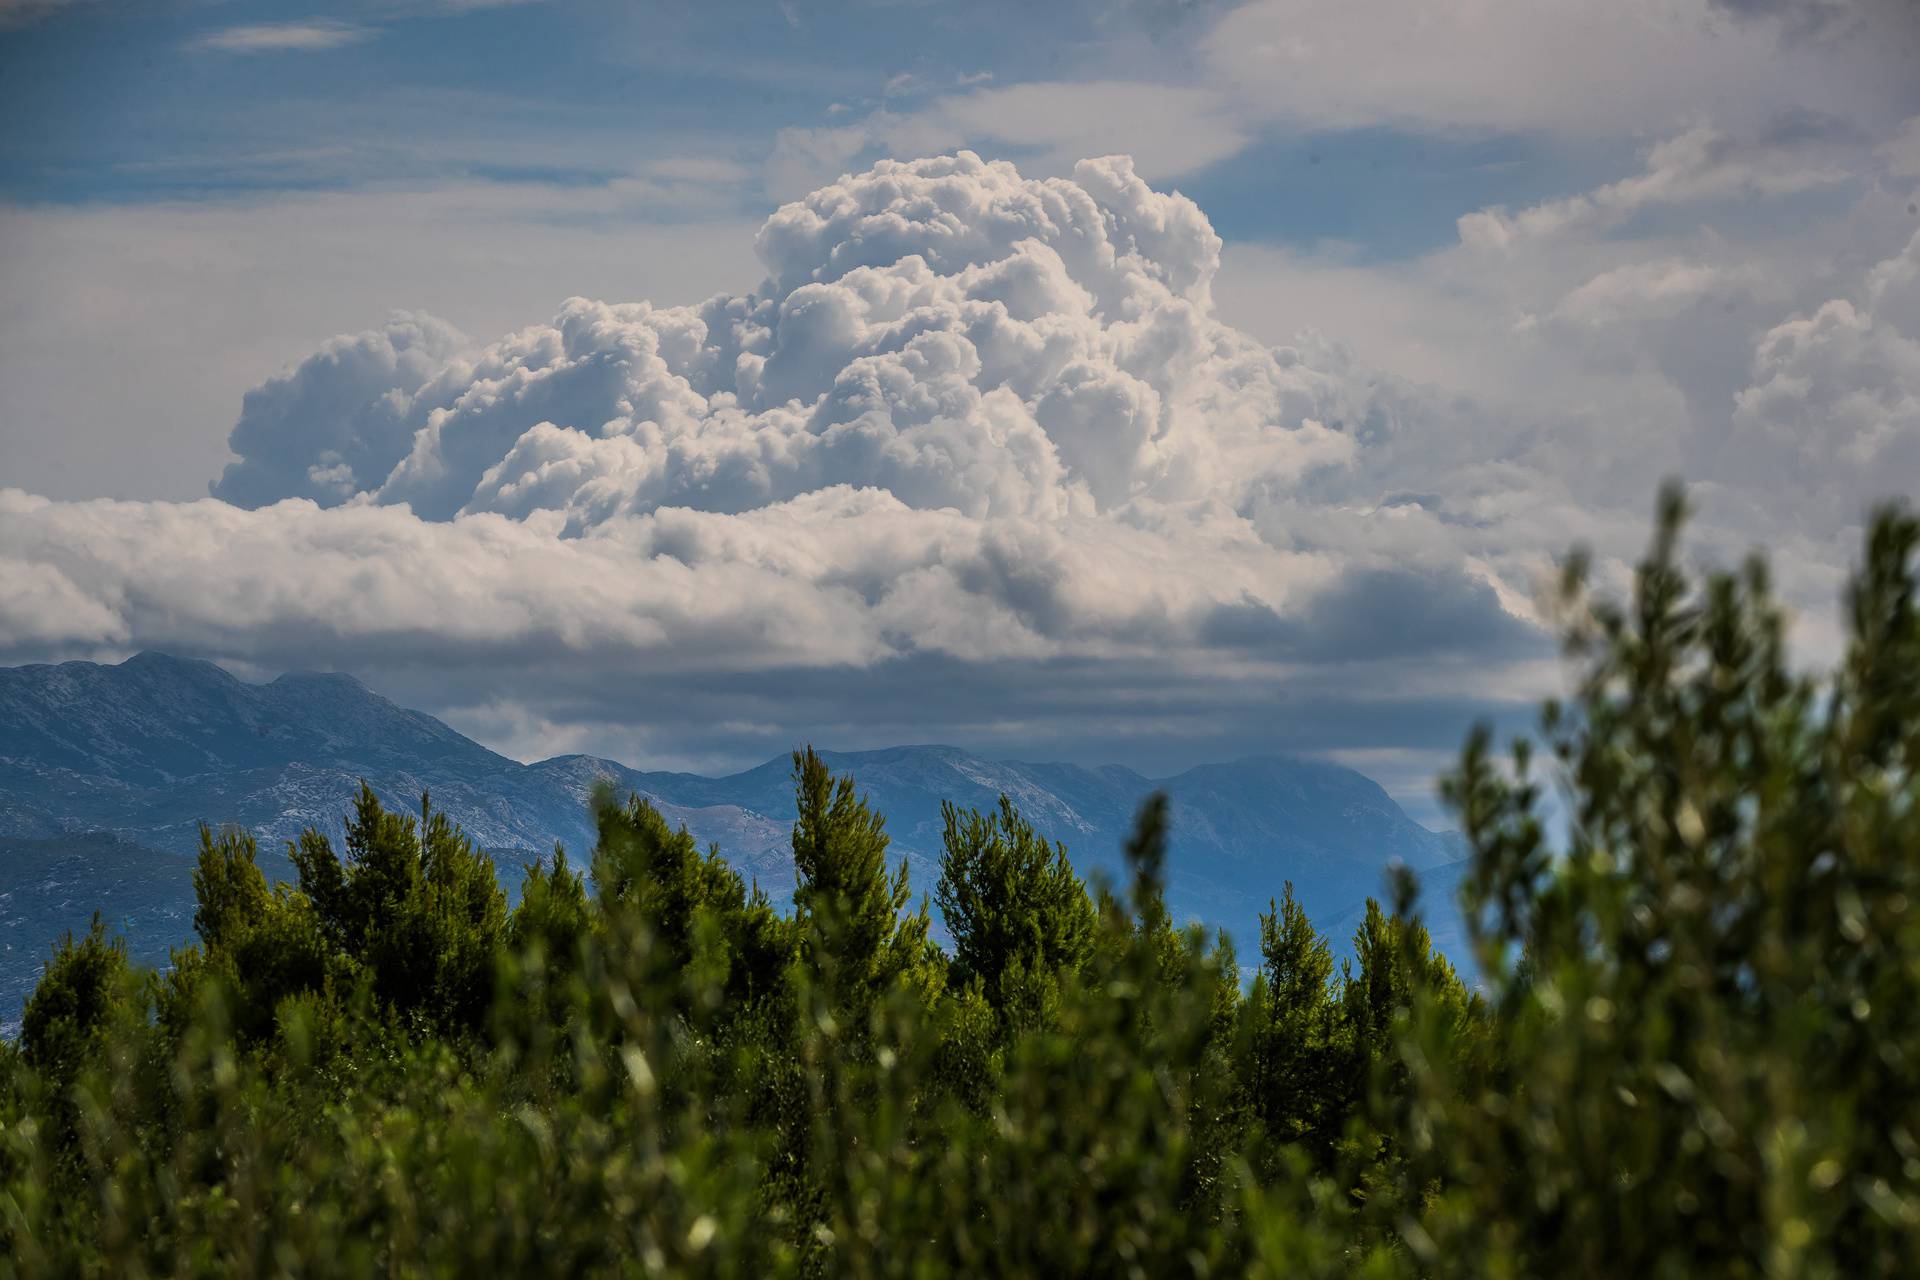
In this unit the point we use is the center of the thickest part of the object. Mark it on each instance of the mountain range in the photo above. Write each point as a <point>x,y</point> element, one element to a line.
<point>107,771</point>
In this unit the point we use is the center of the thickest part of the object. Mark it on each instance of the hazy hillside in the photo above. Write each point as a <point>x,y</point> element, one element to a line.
<point>107,771</point>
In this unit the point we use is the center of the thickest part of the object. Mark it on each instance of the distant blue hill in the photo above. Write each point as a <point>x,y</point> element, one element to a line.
<point>106,773</point>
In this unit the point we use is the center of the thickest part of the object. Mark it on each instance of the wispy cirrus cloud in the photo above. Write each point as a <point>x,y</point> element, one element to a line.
<point>1699,164</point>
<point>20,12</point>
<point>1576,69</point>
<point>17,11</point>
<point>283,37</point>
<point>1168,130</point>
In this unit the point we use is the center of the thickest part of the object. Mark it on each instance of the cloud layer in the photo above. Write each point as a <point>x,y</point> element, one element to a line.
<point>967,418</point>
<point>979,459</point>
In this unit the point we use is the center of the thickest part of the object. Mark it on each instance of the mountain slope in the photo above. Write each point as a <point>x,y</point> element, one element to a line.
<point>115,767</point>
<point>1240,830</point>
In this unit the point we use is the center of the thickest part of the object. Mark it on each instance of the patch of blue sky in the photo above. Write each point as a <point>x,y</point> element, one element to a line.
<point>1380,195</point>
<point>128,100</point>
<point>127,105</point>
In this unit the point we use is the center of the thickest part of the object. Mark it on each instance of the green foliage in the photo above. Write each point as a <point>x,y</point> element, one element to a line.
<point>854,938</point>
<point>1020,919</point>
<point>66,1021</point>
<point>1296,1054</point>
<point>553,916</point>
<point>415,907</point>
<point>1694,1049</point>
<point>262,945</point>
<point>655,880</point>
<point>1710,999</point>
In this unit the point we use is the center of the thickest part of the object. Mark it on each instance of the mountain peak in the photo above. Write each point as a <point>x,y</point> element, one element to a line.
<point>152,662</point>
<point>155,720</point>
<point>321,679</point>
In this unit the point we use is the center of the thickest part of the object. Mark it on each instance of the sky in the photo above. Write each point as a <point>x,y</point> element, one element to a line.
<point>1136,381</point>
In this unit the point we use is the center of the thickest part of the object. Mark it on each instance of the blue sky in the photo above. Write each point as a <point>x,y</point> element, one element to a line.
<point>1486,272</point>
<point>146,102</point>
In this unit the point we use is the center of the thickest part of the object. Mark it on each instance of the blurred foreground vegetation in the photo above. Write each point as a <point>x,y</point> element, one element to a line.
<point>1693,1048</point>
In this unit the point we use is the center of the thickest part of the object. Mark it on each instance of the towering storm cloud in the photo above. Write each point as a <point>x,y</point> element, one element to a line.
<point>942,330</point>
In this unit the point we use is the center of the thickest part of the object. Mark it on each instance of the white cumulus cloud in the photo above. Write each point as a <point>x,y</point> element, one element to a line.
<point>945,330</point>
<point>970,423</point>
<point>1835,396</point>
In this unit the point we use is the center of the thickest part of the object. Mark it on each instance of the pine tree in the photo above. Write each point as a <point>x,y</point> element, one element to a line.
<point>262,945</point>
<point>1019,917</point>
<point>71,1009</point>
<point>1296,1064</point>
<point>414,908</point>
<point>654,877</point>
<point>855,939</point>
<point>554,914</point>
